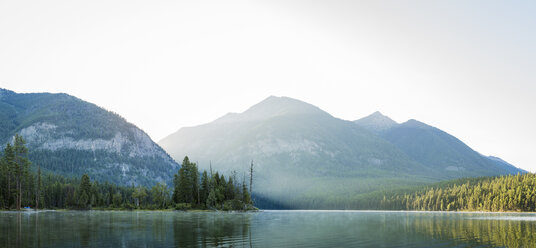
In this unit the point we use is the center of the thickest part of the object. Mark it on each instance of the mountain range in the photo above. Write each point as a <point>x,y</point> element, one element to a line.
<point>68,136</point>
<point>304,157</point>
<point>435,148</point>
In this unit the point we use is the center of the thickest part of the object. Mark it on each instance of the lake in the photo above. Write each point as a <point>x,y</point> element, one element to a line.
<point>266,229</point>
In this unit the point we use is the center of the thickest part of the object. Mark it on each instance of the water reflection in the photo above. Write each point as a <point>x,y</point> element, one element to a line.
<point>504,230</point>
<point>212,230</point>
<point>265,229</point>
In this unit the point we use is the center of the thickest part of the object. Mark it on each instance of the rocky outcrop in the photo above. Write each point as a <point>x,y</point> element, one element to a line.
<point>68,136</point>
<point>135,143</point>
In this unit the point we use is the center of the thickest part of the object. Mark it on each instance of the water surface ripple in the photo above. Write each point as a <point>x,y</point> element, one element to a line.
<point>266,229</point>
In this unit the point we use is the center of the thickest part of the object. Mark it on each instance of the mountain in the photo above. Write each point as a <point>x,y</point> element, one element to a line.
<point>506,165</point>
<point>306,158</point>
<point>71,137</point>
<point>303,156</point>
<point>438,150</point>
<point>376,122</point>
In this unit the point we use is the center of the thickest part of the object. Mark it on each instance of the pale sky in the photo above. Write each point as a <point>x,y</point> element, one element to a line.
<point>466,67</point>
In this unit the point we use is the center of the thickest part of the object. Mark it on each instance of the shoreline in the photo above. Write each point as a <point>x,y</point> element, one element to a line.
<point>125,210</point>
<point>265,210</point>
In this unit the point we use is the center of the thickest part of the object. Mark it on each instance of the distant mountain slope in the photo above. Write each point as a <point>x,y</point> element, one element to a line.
<point>296,134</point>
<point>306,158</point>
<point>506,165</point>
<point>439,150</point>
<point>376,122</point>
<point>300,152</point>
<point>69,136</point>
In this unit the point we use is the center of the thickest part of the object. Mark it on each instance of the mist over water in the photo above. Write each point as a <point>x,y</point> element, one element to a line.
<point>266,229</point>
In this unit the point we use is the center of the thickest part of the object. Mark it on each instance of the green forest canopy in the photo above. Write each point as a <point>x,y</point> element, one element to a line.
<point>502,193</point>
<point>21,185</point>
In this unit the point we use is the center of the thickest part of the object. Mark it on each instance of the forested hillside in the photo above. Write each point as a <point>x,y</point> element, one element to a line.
<point>504,193</point>
<point>71,137</point>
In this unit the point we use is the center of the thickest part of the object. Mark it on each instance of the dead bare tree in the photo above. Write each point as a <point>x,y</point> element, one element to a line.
<point>251,177</point>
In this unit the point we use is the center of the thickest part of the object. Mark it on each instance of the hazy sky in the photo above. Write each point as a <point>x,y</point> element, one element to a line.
<point>467,67</point>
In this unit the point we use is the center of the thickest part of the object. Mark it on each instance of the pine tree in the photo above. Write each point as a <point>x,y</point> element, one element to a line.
<point>21,166</point>
<point>194,180</point>
<point>176,197</point>
<point>185,186</point>
<point>220,190</point>
<point>187,183</point>
<point>84,191</point>
<point>246,198</point>
<point>8,167</point>
<point>204,188</point>
<point>251,177</point>
<point>211,199</point>
<point>230,189</point>
<point>38,188</point>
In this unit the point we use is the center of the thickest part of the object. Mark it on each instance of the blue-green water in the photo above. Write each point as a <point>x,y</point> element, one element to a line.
<point>266,229</point>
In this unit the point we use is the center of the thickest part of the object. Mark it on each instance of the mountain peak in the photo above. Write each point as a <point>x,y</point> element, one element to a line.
<point>283,101</point>
<point>378,113</point>
<point>376,122</point>
<point>5,92</point>
<point>279,105</point>
<point>271,107</point>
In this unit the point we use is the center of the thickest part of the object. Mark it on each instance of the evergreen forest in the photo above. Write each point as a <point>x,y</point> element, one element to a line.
<point>22,185</point>
<point>511,193</point>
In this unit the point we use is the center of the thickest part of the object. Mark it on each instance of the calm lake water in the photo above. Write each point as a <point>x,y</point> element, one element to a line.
<point>266,229</point>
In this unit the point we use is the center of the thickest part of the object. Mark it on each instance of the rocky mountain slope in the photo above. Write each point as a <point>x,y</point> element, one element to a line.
<point>69,136</point>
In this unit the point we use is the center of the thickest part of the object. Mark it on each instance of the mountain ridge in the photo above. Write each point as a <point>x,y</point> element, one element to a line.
<point>435,147</point>
<point>69,136</point>
<point>304,156</point>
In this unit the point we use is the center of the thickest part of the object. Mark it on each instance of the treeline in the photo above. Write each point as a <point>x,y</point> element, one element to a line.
<point>23,186</point>
<point>17,184</point>
<point>212,191</point>
<point>504,193</point>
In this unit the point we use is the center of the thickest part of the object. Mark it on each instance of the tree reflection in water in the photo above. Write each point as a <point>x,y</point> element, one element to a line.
<point>212,230</point>
<point>265,229</point>
<point>489,230</point>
